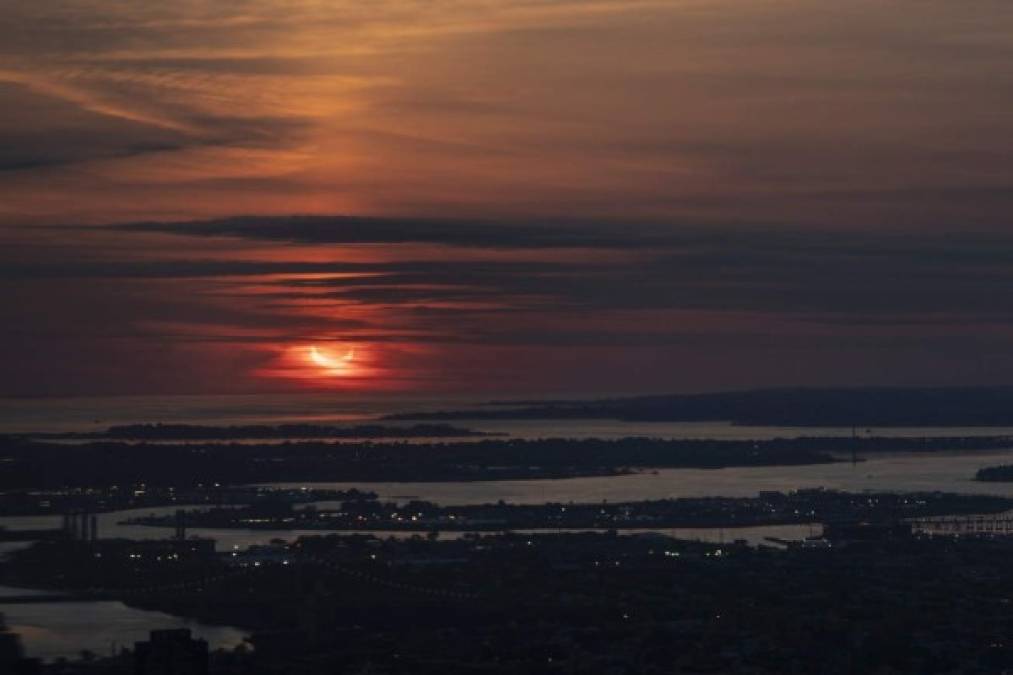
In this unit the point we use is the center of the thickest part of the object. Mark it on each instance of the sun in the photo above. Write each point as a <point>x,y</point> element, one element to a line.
<point>332,365</point>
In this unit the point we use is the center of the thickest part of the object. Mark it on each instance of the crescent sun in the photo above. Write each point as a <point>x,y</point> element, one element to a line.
<point>330,362</point>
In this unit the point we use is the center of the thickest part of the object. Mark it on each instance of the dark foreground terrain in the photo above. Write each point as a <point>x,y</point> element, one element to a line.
<point>868,600</point>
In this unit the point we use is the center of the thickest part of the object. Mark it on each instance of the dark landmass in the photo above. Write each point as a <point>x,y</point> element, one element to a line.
<point>37,465</point>
<point>142,495</point>
<point>995,474</point>
<point>872,602</point>
<point>770,508</point>
<point>859,407</point>
<point>184,432</point>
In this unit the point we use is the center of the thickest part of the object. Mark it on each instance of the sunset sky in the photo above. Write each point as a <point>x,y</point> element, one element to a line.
<point>490,197</point>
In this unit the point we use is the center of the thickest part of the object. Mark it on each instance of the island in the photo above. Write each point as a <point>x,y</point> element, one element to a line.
<point>104,498</point>
<point>36,465</point>
<point>768,508</point>
<point>995,474</point>
<point>45,465</point>
<point>197,432</point>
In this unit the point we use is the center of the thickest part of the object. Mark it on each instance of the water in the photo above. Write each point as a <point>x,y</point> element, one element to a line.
<point>53,630</point>
<point>110,527</point>
<point>60,629</point>
<point>914,472</point>
<point>612,429</point>
<point>7,547</point>
<point>234,539</point>
<point>97,413</point>
<point>902,472</point>
<point>884,472</point>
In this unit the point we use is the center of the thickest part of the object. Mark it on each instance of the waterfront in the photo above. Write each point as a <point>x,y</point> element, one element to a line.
<point>57,629</point>
<point>902,472</point>
<point>111,526</point>
<point>62,630</point>
<point>91,414</point>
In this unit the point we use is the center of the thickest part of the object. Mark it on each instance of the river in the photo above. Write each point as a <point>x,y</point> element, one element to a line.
<point>900,472</point>
<point>57,629</point>
<point>882,472</point>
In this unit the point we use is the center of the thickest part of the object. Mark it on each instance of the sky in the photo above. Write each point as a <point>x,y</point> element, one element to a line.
<point>534,197</point>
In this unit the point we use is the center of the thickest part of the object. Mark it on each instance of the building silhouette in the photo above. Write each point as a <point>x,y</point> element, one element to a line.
<point>12,656</point>
<point>171,652</point>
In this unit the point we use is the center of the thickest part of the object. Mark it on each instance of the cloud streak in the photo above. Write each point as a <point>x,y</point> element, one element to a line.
<point>614,195</point>
<point>821,277</point>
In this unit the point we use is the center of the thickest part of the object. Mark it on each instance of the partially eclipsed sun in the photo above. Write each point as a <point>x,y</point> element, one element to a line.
<point>334,365</point>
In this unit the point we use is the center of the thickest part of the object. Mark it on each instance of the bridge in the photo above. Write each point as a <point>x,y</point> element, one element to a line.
<point>997,524</point>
